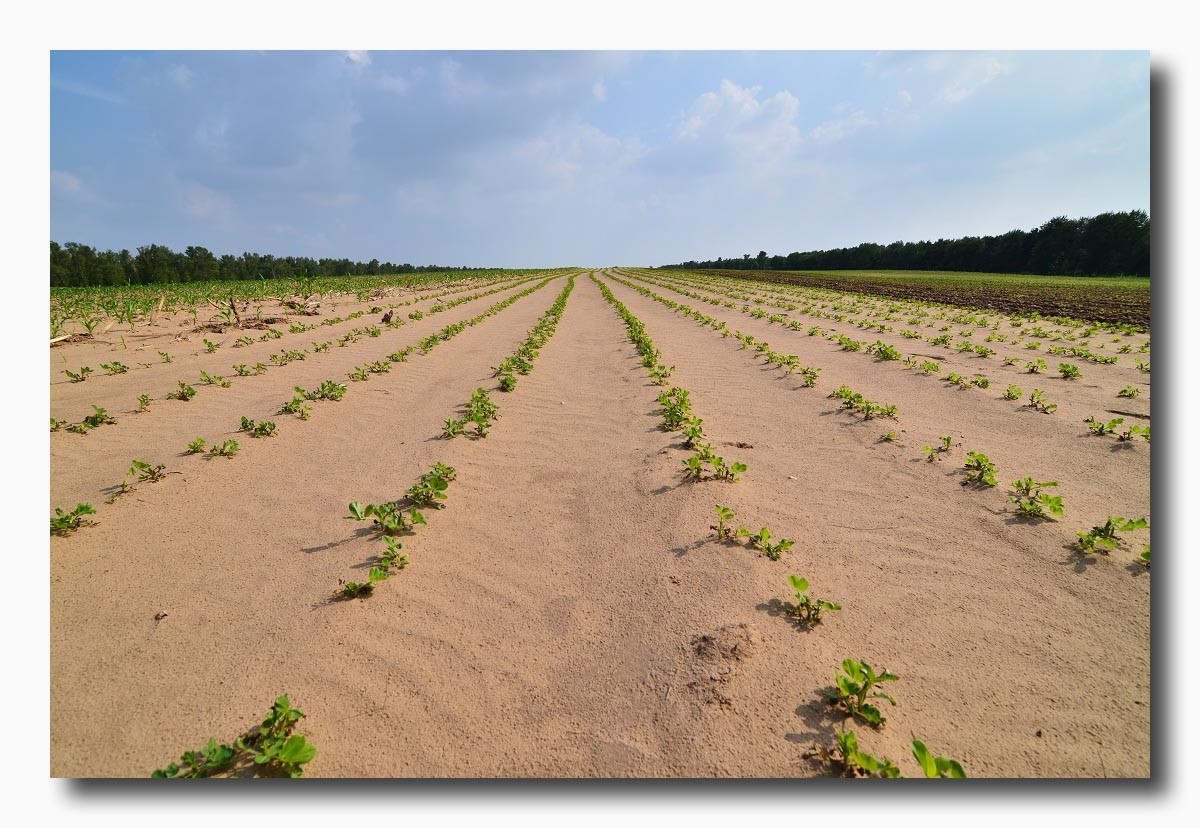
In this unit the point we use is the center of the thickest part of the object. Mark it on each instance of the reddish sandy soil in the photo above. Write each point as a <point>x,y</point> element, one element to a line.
<point>569,613</point>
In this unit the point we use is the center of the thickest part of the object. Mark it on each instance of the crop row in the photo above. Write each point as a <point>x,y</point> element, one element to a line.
<point>888,353</point>
<point>704,463</point>
<point>128,304</point>
<point>229,317</point>
<point>286,356</point>
<point>882,353</point>
<point>856,684</point>
<point>298,405</point>
<point>429,491</point>
<point>943,339</point>
<point>920,317</point>
<point>1028,497</point>
<point>843,304</point>
<point>185,391</point>
<point>274,747</point>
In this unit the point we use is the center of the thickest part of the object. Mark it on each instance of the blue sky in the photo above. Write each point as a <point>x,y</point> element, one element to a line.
<point>585,158</point>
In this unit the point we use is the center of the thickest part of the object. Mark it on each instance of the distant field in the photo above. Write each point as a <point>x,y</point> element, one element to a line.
<point>1103,299</point>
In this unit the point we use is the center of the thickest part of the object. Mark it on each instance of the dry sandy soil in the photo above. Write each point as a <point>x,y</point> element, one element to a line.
<point>569,613</point>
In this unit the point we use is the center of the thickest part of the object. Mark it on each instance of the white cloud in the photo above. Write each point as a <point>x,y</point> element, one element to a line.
<point>180,75</point>
<point>836,130</point>
<point>205,203</point>
<point>971,76</point>
<point>213,134</point>
<point>750,132</point>
<point>86,90</point>
<point>359,58</point>
<point>457,84</point>
<point>600,91</point>
<point>394,83</point>
<point>71,187</point>
<point>905,97</point>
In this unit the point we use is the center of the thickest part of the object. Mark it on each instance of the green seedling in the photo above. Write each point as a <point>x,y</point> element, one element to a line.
<point>884,352</point>
<point>1134,431</point>
<point>263,428</point>
<point>452,428</point>
<point>1101,428</point>
<point>327,390</point>
<point>348,590</point>
<point>208,379</point>
<point>226,449</point>
<point>197,446</point>
<point>112,368</point>
<point>773,551</point>
<point>296,406</point>
<point>242,371</point>
<point>677,407</point>
<point>139,472</point>
<point>1068,370</point>
<point>980,381</point>
<point>980,470</point>
<point>81,376</point>
<point>1128,391</point>
<point>1038,402</point>
<point>98,417</point>
<point>143,402</point>
<point>210,347</point>
<point>936,767</point>
<point>1036,366</point>
<point>63,523</point>
<point>728,471</point>
<point>165,357</point>
<point>1031,502</point>
<point>358,375</point>
<point>693,431</point>
<point>392,557</point>
<point>146,473</point>
<point>1104,537</point>
<point>387,517</point>
<point>724,516</point>
<point>55,425</point>
<point>508,382</point>
<point>429,490</point>
<point>856,686</point>
<point>807,609</point>
<point>271,749</point>
<point>853,762</point>
<point>183,394</point>
<point>1013,392</point>
<point>1144,558</point>
<point>935,452</point>
<point>888,437</point>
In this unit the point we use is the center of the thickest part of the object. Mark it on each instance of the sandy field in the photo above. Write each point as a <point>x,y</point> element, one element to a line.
<point>570,613</point>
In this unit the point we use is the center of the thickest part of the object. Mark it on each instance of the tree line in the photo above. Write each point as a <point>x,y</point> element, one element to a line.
<point>1110,244</point>
<point>79,265</point>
